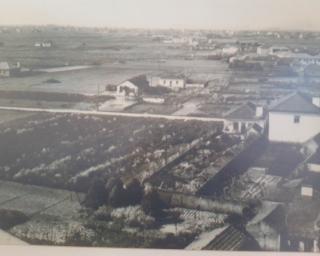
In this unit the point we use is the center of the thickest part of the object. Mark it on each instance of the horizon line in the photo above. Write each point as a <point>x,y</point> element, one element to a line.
<point>162,28</point>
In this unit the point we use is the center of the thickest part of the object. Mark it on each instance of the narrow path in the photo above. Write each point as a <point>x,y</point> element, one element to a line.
<point>100,113</point>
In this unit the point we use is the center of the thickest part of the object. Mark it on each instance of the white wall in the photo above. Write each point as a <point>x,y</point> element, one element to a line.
<point>172,83</point>
<point>153,100</point>
<point>195,85</point>
<point>306,191</point>
<point>283,129</point>
<point>314,167</point>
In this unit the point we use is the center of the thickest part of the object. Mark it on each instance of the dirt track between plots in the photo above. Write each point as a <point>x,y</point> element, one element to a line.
<point>98,113</point>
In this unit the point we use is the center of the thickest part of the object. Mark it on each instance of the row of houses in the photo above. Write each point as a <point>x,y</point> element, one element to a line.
<point>153,89</point>
<point>292,119</point>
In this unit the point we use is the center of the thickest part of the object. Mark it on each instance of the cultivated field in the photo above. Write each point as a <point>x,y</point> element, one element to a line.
<point>67,150</point>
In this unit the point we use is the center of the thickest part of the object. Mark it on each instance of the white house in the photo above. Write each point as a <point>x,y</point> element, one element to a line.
<point>263,51</point>
<point>294,119</point>
<point>133,87</point>
<point>243,118</point>
<point>4,69</point>
<point>138,88</point>
<point>171,82</point>
<point>230,50</point>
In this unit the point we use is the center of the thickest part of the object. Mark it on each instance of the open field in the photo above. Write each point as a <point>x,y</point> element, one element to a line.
<point>113,58</point>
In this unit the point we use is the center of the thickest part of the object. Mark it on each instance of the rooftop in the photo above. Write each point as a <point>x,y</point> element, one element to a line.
<point>296,103</point>
<point>232,239</point>
<point>315,158</point>
<point>142,83</point>
<point>301,222</point>
<point>245,111</point>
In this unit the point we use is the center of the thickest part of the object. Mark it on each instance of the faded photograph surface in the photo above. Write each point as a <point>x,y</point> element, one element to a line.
<point>191,125</point>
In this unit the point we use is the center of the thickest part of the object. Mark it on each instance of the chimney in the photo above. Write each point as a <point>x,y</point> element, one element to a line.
<point>316,101</point>
<point>259,111</point>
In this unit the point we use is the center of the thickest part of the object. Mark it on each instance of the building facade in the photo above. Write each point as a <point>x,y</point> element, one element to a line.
<point>295,119</point>
<point>173,83</point>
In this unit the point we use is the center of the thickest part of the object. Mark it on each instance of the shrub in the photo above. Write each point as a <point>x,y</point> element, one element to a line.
<point>103,213</point>
<point>117,195</point>
<point>134,192</point>
<point>97,194</point>
<point>133,216</point>
<point>153,205</point>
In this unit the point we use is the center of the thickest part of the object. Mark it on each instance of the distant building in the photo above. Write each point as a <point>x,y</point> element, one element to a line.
<point>138,88</point>
<point>244,118</point>
<point>4,69</point>
<point>230,50</point>
<point>133,87</point>
<point>294,119</point>
<point>44,44</point>
<point>7,70</point>
<point>172,82</point>
<point>279,50</point>
<point>263,51</point>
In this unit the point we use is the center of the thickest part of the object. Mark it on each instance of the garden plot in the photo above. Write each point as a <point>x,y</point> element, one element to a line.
<point>194,221</point>
<point>32,200</point>
<point>48,230</point>
<point>68,150</point>
<point>53,213</point>
<point>195,167</point>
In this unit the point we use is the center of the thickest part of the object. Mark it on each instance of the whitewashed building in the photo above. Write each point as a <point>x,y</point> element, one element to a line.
<point>4,69</point>
<point>171,82</point>
<point>294,119</point>
<point>138,88</point>
<point>230,50</point>
<point>132,88</point>
<point>263,51</point>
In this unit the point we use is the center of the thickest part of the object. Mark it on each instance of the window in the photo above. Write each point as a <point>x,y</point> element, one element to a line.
<point>296,119</point>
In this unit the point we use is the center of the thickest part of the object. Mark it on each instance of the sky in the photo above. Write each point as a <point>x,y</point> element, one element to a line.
<point>193,14</point>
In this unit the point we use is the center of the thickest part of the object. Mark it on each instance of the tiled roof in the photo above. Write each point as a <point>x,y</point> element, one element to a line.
<point>296,103</point>
<point>315,158</point>
<point>232,239</point>
<point>142,83</point>
<point>245,111</point>
<point>302,222</point>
